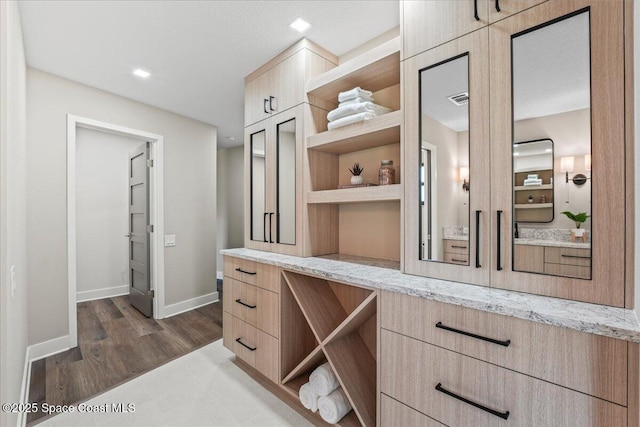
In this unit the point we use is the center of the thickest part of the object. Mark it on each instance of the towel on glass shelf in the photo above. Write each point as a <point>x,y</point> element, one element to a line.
<point>308,397</point>
<point>334,406</point>
<point>350,120</point>
<point>354,93</point>
<point>323,380</point>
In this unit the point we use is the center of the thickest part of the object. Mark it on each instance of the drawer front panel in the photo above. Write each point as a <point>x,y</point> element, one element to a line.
<point>588,363</point>
<point>395,414</point>
<point>567,270</point>
<point>411,370</point>
<point>255,273</point>
<point>567,256</point>
<point>456,258</point>
<point>256,348</point>
<point>456,246</point>
<point>254,305</point>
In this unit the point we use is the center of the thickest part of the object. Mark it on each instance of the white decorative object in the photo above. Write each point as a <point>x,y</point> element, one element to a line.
<point>356,179</point>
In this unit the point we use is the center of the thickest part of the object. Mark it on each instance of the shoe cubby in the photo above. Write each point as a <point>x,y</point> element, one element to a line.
<point>337,323</point>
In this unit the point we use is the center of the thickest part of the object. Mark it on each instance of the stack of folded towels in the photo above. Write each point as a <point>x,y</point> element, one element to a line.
<point>355,106</point>
<point>532,180</point>
<point>323,393</point>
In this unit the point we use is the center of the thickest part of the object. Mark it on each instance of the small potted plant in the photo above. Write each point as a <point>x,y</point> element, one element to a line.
<point>356,171</point>
<point>577,233</point>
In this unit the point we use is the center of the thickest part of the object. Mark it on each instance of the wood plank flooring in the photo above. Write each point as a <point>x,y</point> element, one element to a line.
<point>115,344</point>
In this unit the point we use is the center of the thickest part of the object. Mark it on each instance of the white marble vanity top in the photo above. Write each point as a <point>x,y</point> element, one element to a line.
<point>555,243</point>
<point>596,319</point>
<point>457,237</point>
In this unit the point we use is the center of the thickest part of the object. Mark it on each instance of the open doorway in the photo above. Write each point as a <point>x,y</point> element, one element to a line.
<point>100,241</point>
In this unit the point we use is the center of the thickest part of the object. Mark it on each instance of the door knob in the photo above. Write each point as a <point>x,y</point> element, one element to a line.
<point>127,235</point>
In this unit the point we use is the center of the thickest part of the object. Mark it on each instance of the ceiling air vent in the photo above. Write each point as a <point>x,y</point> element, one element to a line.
<point>459,99</point>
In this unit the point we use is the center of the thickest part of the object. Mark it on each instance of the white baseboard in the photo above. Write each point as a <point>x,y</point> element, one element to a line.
<point>48,348</point>
<point>220,275</point>
<point>114,291</point>
<point>190,304</point>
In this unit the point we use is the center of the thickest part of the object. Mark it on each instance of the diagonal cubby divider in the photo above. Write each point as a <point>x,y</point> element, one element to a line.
<point>343,323</point>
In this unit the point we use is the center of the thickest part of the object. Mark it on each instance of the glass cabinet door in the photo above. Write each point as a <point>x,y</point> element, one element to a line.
<point>258,186</point>
<point>558,151</point>
<point>447,166</point>
<point>286,182</point>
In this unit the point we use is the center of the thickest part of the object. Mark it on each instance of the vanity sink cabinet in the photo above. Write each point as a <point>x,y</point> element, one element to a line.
<point>494,160</point>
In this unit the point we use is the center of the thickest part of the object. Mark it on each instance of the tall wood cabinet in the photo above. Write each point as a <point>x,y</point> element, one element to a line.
<point>500,113</point>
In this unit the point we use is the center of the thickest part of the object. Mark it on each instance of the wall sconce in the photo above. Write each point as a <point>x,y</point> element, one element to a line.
<point>566,166</point>
<point>464,176</point>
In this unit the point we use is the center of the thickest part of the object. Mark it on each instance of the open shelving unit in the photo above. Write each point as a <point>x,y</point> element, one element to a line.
<point>341,320</point>
<point>357,195</point>
<point>536,211</point>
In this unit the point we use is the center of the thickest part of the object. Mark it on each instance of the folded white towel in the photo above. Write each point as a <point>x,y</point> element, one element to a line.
<point>354,93</point>
<point>356,101</point>
<point>308,397</point>
<point>533,176</point>
<point>334,407</point>
<point>535,182</point>
<point>362,107</point>
<point>350,120</point>
<point>323,380</point>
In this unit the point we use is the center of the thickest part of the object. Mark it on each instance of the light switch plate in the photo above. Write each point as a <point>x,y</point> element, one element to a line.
<point>169,240</point>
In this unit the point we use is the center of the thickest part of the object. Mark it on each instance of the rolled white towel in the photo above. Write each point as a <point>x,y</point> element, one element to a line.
<point>323,380</point>
<point>360,117</point>
<point>308,397</point>
<point>354,93</point>
<point>351,109</point>
<point>334,406</point>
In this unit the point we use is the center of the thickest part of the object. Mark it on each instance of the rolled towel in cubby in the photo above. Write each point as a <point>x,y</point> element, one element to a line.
<point>323,380</point>
<point>308,397</point>
<point>334,406</point>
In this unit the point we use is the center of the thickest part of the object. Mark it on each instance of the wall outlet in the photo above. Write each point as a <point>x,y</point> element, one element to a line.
<point>13,281</point>
<point>169,240</point>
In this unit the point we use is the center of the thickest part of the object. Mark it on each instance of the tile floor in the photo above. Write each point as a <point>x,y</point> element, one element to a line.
<point>202,388</point>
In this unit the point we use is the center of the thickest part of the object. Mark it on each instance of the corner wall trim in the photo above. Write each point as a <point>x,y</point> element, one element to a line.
<point>114,291</point>
<point>48,348</point>
<point>190,304</point>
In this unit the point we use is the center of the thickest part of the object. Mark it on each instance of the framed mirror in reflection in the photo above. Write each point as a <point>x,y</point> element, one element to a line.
<point>551,86</point>
<point>444,162</point>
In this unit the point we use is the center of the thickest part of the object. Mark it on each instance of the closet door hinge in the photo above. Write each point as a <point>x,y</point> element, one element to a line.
<point>151,294</point>
<point>150,163</point>
<point>149,228</point>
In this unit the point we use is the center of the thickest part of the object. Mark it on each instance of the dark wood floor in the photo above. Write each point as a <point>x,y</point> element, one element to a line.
<point>115,344</point>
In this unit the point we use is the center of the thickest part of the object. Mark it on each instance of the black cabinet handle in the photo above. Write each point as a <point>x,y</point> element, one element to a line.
<point>264,105</point>
<point>469,334</point>
<point>459,247</point>
<point>238,340</point>
<point>478,239</point>
<point>475,10</point>
<point>239,301</point>
<point>576,256</point>
<point>270,231</point>
<point>497,5</point>
<point>458,260</point>
<point>503,415</point>
<point>271,99</point>
<point>265,227</point>
<point>499,241</point>
<point>246,272</point>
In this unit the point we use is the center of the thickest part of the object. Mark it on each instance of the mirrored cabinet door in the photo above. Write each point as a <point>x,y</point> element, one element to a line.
<point>257,193</point>
<point>556,126</point>
<point>286,182</point>
<point>447,161</point>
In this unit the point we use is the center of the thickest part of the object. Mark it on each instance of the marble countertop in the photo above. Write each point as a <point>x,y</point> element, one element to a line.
<point>555,243</point>
<point>457,237</point>
<point>596,319</point>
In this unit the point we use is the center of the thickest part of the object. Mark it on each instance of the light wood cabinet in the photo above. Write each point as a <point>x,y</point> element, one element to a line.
<point>254,273</point>
<point>254,305</point>
<point>500,9</point>
<point>279,84</point>
<point>396,414</point>
<point>459,390</point>
<point>494,198</point>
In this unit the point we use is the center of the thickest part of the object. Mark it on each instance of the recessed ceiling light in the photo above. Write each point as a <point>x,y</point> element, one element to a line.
<point>141,73</point>
<point>300,25</point>
<point>548,150</point>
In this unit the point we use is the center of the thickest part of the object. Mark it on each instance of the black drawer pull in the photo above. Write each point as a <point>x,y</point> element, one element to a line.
<point>238,340</point>
<point>239,301</point>
<point>576,256</point>
<point>246,272</point>
<point>503,415</point>
<point>458,247</point>
<point>458,260</point>
<point>469,334</point>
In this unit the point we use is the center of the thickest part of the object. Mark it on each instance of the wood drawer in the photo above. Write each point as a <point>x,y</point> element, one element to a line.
<point>567,256</point>
<point>456,246</point>
<point>567,270</point>
<point>256,306</point>
<point>396,414</point>
<point>263,357</point>
<point>411,370</point>
<point>589,363</point>
<point>456,258</point>
<point>255,273</point>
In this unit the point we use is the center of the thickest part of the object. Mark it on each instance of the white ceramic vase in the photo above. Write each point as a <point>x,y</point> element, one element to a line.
<point>356,179</point>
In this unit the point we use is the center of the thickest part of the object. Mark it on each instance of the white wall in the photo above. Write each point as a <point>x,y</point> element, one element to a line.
<point>102,207</point>
<point>189,194</point>
<point>230,200</point>
<point>13,228</point>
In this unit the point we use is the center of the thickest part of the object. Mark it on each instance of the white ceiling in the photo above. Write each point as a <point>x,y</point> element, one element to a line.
<point>197,51</point>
